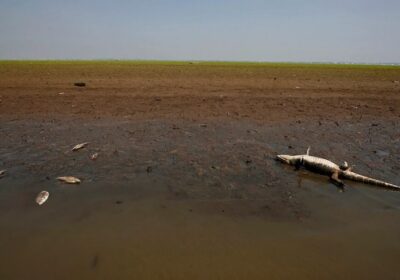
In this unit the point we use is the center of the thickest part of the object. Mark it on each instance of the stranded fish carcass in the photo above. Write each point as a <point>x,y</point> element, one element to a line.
<point>69,180</point>
<point>80,146</point>
<point>42,197</point>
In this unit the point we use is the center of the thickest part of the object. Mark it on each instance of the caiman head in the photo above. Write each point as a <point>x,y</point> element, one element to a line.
<point>288,159</point>
<point>292,160</point>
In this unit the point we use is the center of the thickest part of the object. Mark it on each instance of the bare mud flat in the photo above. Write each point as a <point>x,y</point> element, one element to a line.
<point>185,185</point>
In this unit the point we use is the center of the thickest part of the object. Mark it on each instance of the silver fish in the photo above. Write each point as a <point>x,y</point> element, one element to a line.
<point>69,180</point>
<point>80,146</point>
<point>3,173</point>
<point>42,197</point>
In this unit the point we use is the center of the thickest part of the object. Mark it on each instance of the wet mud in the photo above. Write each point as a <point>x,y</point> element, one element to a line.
<point>160,190</point>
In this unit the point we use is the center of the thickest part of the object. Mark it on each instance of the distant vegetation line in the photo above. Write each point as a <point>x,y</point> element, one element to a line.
<point>198,62</point>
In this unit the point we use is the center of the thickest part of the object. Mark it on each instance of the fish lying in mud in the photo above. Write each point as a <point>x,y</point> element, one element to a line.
<point>3,173</point>
<point>80,146</point>
<point>69,180</point>
<point>42,197</point>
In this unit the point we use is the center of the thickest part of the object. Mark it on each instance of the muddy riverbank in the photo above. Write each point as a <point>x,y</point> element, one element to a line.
<point>185,184</point>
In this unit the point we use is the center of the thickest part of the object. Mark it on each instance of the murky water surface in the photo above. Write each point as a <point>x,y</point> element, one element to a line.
<point>184,200</point>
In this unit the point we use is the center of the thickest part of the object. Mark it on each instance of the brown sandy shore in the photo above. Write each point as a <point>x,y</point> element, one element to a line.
<point>186,185</point>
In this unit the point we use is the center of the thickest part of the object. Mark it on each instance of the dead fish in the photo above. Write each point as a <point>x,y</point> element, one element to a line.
<point>3,173</point>
<point>94,156</point>
<point>69,180</point>
<point>42,197</point>
<point>80,146</point>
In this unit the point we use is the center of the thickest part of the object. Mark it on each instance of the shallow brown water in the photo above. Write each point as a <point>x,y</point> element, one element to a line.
<point>184,200</point>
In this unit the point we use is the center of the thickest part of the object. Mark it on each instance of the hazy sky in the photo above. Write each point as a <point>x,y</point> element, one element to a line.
<point>254,30</point>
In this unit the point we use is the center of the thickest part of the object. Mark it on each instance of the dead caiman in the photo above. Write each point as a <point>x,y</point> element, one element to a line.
<point>334,171</point>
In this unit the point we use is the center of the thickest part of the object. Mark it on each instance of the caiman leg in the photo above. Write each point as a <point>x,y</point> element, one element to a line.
<point>335,180</point>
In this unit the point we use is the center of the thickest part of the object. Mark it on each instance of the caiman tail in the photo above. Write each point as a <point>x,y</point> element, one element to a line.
<point>367,180</point>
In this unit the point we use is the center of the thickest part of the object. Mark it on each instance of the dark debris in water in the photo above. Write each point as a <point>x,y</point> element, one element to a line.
<point>95,261</point>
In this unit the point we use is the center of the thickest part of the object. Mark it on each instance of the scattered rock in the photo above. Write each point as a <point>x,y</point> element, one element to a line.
<point>80,146</point>
<point>149,169</point>
<point>3,173</point>
<point>42,197</point>
<point>157,99</point>
<point>69,180</point>
<point>80,84</point>
<point>382,153</point>
<point>396,82</point>
<point>119,202</point>
<point>94,156</point>
<point>203,125</point>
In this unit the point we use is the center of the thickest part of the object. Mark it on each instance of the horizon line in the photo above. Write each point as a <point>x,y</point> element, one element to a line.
<point>197,61</point>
